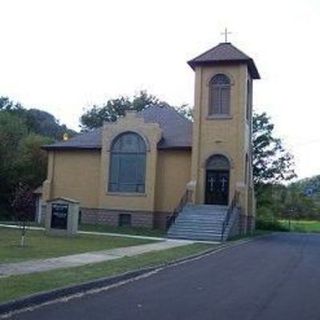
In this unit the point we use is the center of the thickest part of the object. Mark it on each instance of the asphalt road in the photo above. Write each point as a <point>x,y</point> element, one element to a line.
<point>275,277</point>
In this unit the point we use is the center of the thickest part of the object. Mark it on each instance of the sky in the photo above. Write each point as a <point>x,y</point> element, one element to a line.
<point>64,56</point>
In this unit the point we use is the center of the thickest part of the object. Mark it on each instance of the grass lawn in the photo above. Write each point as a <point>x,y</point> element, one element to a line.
<point>126,230</point>
<point>22,285</point>
<point>39,245</point>
<point>105,228</point>
<point>302,225</point>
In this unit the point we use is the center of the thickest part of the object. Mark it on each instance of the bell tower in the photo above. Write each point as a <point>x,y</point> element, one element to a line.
<point>222,129</point>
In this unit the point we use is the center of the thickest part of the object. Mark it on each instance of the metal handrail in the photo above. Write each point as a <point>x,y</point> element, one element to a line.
<point>183,201</point>
<point>234,203</point>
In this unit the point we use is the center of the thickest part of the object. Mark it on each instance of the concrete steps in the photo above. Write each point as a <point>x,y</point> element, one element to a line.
<point>199,222</point>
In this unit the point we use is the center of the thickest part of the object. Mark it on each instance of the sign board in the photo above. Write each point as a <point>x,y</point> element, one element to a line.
<point>59,216</point>
<point>62,216</point>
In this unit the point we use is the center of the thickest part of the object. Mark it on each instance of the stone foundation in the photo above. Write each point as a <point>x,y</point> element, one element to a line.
<point>111,217</point>
<point>244,224</point>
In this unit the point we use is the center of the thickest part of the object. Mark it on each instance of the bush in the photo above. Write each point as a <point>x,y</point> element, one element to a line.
<point>265,213</point>
<point>272,225</point>
<point>267,220</point>
<point>5,213</point>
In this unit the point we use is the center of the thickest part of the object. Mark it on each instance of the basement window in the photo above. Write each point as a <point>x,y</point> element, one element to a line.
<point>124,220</point>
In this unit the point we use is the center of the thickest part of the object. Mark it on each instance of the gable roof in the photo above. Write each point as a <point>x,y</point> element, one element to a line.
<point>225,53</point>
<point>176,131</point>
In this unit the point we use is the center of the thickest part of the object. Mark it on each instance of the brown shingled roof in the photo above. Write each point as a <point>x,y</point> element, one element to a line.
<point>176,132</point>
<point>225,53</point>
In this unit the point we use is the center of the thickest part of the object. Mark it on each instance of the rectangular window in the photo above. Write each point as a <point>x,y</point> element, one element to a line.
<point>124,220</point>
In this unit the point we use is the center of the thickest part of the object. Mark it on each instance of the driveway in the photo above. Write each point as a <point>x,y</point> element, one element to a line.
<point>274,277</point>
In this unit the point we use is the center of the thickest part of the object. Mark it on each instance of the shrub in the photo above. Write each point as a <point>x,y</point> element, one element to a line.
<point>272,225</point>
<point>267,220</point>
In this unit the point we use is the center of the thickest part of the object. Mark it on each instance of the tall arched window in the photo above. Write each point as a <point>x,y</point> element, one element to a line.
<point>220,95</point>
<point>127,164</point>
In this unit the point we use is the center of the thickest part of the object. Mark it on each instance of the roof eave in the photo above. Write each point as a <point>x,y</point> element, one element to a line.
<point>253,70</point>
<point>60,148</point>
<point>174,148</point>
<point>250,63</point>
<point>51,147</point>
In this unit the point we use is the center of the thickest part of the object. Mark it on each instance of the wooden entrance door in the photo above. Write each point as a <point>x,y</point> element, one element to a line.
<point>217,187</point>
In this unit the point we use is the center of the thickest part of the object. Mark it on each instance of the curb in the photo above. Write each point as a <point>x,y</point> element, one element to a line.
<point>40,298</point>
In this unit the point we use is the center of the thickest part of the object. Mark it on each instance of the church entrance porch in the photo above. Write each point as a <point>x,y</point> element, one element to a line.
<point>217,187</point>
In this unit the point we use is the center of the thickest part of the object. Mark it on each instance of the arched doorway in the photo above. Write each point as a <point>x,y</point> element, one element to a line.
<point>217,180</point>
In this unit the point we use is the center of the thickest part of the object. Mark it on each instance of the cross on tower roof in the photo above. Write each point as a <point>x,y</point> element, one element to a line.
<point>225,33</point>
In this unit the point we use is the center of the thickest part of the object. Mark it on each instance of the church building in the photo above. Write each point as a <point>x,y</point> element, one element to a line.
<point>157,169</point>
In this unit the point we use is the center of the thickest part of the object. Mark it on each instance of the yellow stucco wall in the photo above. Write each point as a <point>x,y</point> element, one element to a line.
<point>75,174</point>
<point>173,174</point>
<point>227,136</point>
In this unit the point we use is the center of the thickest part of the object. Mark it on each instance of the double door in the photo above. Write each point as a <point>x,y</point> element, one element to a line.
<point>217,187</point>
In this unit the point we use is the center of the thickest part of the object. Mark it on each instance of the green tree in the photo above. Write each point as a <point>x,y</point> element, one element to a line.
<point>12,130</point>
<point>185,111</point>
<point>6,104</point>
<point>45,124</point>
<point>272,165</point>
<point>21,158</point>
<point>271,162</point>
<point>298,205</point>
<point>37,121</point>
<point>310,187</point>
<point>115,108</point>
<point>32,161</point>
<point>22,161</point>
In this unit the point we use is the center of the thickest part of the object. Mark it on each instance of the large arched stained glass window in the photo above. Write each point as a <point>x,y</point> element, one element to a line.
<point>220,95</point>
<point>127,164</point>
